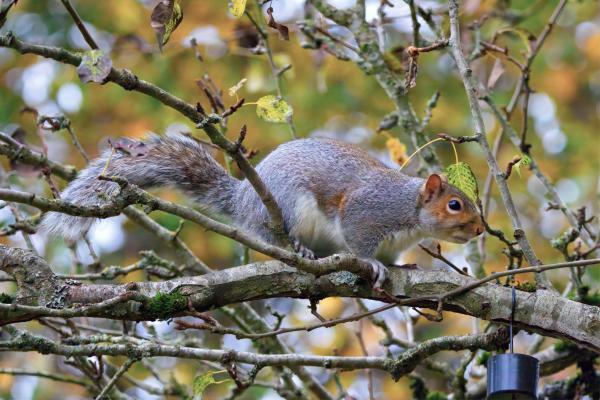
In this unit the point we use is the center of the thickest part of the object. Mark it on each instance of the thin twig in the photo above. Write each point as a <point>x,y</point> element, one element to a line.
<point>80,25</point>
<point>415,22</point>
<point>522,86</point>
<point>18,152</point>
<point>471,90</point>
<point>458,139</point>
<point>77,144</point>
<point>126,365</point>
<point>276,72</point>
<point>441,257</point>
<point>46,375</point>
<point>336,39</point>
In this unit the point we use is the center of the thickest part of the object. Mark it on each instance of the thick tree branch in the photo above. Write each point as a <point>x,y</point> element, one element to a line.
<point>103,345</point>
<point>542,311</point>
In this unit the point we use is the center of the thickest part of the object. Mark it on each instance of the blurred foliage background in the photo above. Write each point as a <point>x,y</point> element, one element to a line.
<point>330,98</point>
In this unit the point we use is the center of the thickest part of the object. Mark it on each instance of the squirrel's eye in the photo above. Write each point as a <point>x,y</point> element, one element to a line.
<point>454,205</point>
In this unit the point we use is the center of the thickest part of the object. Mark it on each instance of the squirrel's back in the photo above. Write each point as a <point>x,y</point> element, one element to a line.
<point>312,180</point>
<point>304,173</point>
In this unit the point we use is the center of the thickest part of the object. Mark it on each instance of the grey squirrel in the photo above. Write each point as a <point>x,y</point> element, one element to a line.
<point>334,197</point>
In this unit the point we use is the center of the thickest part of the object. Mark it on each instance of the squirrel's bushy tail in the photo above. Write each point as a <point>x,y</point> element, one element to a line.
<point>175,160</point>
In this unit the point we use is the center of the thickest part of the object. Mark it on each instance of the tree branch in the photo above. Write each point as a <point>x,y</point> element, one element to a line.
<point>106,389</point>
<point>15,151</point>
<point>131,194</point>
<point>471,89</point>
<point>80,25</point>
<point>568,320</point>
<point>406,362</point>
<point>373,63</point>
<point>129,81</point>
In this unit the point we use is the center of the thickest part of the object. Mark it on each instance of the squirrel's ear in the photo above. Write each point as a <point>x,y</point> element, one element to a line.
<point>432,188</point>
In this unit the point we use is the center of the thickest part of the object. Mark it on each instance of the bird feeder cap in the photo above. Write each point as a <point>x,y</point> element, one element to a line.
<point>512,377</point>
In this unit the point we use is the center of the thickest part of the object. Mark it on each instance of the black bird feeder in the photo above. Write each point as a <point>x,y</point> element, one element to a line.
<point>512,376</point>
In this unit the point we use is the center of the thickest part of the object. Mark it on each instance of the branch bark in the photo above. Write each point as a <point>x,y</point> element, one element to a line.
<point>138,349</point>
<point>543,311</point>
<point>15,151</point>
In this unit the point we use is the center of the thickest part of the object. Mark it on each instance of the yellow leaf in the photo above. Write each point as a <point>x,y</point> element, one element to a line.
<point>237,7</point>
<point>525,160</point>
<point>272,109</point>
<point>166,16</point>
<point>397,150</point>
<point>461,175</point>
<point>201,382</point>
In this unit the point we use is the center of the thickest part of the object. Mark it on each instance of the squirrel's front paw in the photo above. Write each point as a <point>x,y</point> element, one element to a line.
<point>303,250</point>
<point>379,273</point>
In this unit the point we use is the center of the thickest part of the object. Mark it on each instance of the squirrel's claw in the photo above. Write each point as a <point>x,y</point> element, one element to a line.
<point>379,273</point>
<point>303,250</point>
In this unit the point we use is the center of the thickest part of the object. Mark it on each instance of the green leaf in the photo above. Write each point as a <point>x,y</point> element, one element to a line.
<point>201,382</point>
<point>525,160</point>
<point>95,66</point>
<point>165,18</point>
<point>461,175</point>
<point>272,109</point>
<point>237,7</point>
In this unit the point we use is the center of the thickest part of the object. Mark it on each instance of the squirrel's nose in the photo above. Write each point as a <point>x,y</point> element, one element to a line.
<point>478,230</point>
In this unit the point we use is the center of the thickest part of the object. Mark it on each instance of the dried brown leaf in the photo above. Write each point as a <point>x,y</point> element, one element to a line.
<point>411,72</point>
<point>284,32</point>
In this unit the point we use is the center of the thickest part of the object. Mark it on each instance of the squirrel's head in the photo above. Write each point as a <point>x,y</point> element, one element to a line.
<point>447,213</point>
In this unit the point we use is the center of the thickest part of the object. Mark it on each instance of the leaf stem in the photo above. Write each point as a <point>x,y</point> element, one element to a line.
<point>455,152</point>
<point>418,150</point>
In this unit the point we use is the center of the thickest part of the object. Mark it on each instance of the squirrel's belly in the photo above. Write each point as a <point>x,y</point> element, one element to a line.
<point>316,230</point>
<point>389,248</point>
